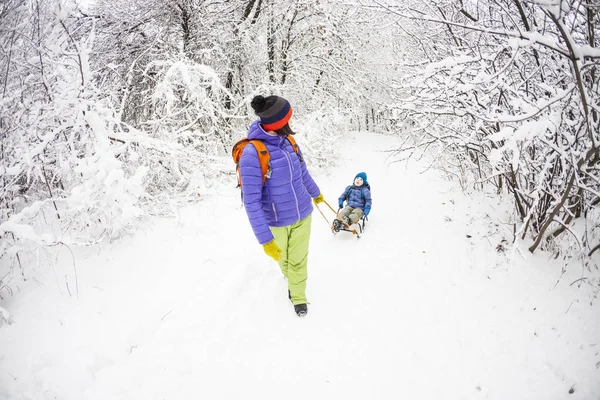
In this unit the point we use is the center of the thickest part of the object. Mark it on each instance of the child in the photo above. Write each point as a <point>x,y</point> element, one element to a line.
<point>358,198</point>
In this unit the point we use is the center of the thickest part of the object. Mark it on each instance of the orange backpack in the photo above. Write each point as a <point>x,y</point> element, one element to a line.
<point>264,158</point>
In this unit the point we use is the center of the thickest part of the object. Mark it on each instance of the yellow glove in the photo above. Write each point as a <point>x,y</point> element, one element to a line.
<point>272,250</point>
<point>319,199</point>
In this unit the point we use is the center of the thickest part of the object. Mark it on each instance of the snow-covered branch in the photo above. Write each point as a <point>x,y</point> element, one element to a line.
<point>513,93</point>
<point>6,317</point>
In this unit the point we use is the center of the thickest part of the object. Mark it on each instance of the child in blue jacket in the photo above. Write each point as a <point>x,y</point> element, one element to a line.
<point>358,202</point>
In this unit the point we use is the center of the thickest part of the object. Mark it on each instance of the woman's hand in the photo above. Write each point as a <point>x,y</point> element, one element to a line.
<point>272,250</point>
<point>319,199</point>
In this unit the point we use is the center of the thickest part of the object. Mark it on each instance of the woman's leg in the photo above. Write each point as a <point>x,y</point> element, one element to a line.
<point>281,235</point>
<point>297,257</point>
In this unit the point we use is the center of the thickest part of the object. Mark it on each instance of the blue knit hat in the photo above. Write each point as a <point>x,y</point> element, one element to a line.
<point>362,175</point>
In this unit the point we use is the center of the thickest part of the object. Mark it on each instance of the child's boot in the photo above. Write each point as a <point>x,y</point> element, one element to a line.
<point>337,224</point>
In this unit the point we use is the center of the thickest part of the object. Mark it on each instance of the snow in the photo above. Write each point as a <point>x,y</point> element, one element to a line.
<point>433,302</point>
<point>5,317</point>
<point>587,51</point>
<point>23,231</point>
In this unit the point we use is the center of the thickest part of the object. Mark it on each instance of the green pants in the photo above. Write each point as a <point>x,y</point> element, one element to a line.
<point>293,242</point>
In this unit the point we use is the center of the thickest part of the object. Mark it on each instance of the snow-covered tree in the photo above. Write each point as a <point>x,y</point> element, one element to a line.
<point>509,90</point>
<point>125,109</point>
<point>62,182</point>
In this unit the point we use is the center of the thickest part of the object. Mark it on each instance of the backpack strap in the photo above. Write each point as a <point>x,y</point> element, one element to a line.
<point>292,141</point>
<point>264,158</point>
<point>347,193</point>
<point>362,189</point>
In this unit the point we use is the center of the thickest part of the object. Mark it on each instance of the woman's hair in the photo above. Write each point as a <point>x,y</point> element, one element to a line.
<point>285,130</point>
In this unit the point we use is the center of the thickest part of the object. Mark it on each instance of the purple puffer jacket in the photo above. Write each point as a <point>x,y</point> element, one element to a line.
<point>286,196</point>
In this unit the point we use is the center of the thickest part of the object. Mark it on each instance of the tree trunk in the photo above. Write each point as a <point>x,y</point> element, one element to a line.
<point>271,50</point>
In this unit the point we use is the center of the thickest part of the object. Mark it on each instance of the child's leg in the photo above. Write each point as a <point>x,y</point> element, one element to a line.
<point>345,212</point>
<point>356,215</point>
<point>297,252</point>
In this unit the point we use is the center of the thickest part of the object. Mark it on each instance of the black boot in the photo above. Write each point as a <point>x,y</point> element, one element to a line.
<point>289,295</point>
<point>301,309</point>
<point>337,225</point>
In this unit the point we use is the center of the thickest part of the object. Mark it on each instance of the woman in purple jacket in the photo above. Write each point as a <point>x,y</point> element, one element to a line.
<point>280,210</point>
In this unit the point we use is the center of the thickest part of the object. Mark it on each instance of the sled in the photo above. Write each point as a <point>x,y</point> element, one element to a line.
<point>361,224</point>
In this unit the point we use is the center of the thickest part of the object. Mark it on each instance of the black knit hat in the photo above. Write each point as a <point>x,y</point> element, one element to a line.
<point>274,111</point>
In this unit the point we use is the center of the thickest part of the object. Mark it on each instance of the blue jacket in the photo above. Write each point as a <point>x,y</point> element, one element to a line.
<point>357,197</point>
<point>286,197</point>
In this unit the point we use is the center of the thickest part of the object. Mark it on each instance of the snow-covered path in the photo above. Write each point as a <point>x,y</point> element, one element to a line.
<point>421,307</point>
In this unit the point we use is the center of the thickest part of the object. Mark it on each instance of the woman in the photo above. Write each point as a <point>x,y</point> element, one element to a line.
<point>280,210</point>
